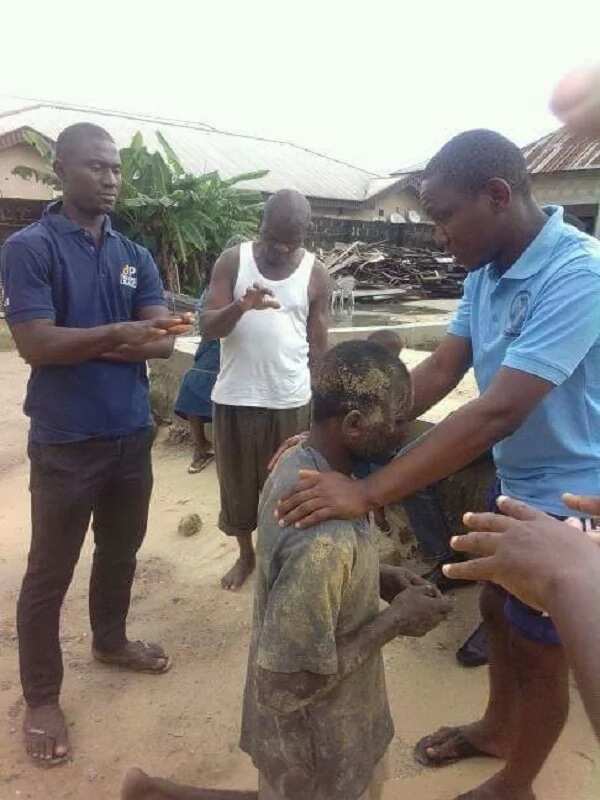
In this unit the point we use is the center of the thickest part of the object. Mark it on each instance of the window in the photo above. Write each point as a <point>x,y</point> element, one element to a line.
<point>382,212</point>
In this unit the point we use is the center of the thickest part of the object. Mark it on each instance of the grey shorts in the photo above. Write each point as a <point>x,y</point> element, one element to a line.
<point>245,438</point>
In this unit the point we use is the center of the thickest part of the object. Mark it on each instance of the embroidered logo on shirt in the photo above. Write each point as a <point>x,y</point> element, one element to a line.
<point>519,309</point>
<point>129,277</point>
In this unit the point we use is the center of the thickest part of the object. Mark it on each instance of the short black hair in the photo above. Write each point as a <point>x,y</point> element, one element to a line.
<point>70,137</point>
<point>357,375</point>
<point>471,159</point>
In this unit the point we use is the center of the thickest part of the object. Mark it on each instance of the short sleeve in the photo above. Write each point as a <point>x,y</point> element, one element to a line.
<point>298,631</point>
<point>461,322</point>
<point>150,291</point>
<point>26,278</point>
<point>563,326</point>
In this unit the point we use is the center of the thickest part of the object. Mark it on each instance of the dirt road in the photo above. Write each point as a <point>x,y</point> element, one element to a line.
<point>185,724</point>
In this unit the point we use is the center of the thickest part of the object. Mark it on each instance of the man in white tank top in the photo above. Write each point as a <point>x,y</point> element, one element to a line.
<point>268,302</point>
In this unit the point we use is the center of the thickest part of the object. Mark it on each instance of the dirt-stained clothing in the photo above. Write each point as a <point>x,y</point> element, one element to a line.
<point>312,587</point>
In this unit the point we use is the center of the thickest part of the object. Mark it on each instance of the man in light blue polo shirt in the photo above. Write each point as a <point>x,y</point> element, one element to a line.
<point>529,324</point>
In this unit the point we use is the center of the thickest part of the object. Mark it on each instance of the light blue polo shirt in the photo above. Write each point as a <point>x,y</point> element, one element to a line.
<point>542,316</point>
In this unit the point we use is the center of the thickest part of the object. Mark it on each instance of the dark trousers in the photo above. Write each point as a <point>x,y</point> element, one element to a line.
<point>428,522</point>
<point>109,480</point>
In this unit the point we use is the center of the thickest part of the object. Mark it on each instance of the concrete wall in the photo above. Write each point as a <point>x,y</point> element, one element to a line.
<point>326,231</point>
<point>14,186</point>
<point>389,202</point>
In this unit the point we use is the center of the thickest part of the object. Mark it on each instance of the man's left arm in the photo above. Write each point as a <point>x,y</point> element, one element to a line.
<point>149,303</point>
<point>319,291</point>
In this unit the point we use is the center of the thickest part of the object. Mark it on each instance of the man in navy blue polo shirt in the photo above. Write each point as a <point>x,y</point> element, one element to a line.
<point>86,308</point>
<point>529,325</point>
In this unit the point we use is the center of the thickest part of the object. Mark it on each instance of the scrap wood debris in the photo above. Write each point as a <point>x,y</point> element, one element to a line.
<point>409,271</point>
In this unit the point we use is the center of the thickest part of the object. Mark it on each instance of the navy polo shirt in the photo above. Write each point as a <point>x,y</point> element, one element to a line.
<point>542,317</point>
<point>54,270</point>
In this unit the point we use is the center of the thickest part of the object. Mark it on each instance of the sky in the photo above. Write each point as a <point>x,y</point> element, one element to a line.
<point>381,85</point>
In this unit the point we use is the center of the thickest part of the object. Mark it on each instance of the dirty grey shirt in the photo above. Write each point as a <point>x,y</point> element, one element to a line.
<point>313,586</point>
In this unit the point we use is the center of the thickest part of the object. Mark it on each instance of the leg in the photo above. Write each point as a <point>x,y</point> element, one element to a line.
<point>120,520</point>
<point>61,503</point>
<point>429,525</point>
<point>493,734</point>
<point>139,786</point>
<point>203,451</point>
<point>235,431</point>
<point>543,704</point>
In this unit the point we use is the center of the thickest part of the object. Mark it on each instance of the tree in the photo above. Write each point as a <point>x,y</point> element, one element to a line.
<point>185,220</point>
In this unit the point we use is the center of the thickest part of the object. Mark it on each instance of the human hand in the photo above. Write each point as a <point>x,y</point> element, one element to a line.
<point>523,550</point>
<point>576,101</point>
<point>289,443</point>
<point>141,332</point>
<point>258,298</point>
<point>136,334</point>
<point>319,496</point>
<point>584,505</point>
<point>418,610</point>
<point>393,580</point>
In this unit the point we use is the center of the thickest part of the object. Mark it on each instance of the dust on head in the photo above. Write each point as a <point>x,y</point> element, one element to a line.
<point>367,390</point>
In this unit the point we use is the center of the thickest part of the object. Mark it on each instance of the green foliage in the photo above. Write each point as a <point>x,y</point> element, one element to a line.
<point>185,220</point>
<point>45,150</point>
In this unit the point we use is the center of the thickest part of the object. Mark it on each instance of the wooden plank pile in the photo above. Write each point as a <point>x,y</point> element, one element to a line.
<point>404,271</point>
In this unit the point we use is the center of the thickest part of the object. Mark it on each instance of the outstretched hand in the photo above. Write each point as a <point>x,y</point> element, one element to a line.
<point>524,550</point>
<point>319,496</point>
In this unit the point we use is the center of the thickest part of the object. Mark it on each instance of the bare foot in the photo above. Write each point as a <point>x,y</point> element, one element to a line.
<point>238,574</point>
<point>498,788</point>
<point>449,745</point>
<point>139,786</point>
<point>46,736</point>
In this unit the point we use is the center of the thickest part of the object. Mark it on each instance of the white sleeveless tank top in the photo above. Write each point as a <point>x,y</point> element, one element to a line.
<point>264,360</point>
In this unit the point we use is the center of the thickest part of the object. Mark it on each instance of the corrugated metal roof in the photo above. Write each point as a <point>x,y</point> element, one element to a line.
<point>562,152</point>
<point>202,148</point>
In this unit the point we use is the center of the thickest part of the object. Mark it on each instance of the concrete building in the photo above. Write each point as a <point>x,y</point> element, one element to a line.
<point>566,171</point>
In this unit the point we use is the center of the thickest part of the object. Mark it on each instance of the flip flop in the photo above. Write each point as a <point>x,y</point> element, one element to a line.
<point>198,466</point>
<point>463,749</point>
<point>137,661</point>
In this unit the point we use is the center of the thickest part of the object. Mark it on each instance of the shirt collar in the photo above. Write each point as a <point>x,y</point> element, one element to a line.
<point>54,217</point>
<point>536,255</point>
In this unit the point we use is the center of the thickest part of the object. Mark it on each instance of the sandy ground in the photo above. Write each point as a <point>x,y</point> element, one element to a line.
<point>185,724</point>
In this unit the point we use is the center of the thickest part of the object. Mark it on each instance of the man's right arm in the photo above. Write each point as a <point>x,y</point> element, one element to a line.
<point>220,312</point>
<point>30,313</point>
<point>42,343</point>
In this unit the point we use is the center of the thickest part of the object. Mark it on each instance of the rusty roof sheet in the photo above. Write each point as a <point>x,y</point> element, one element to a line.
<point>560,151</point>
<point>203,148</point>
